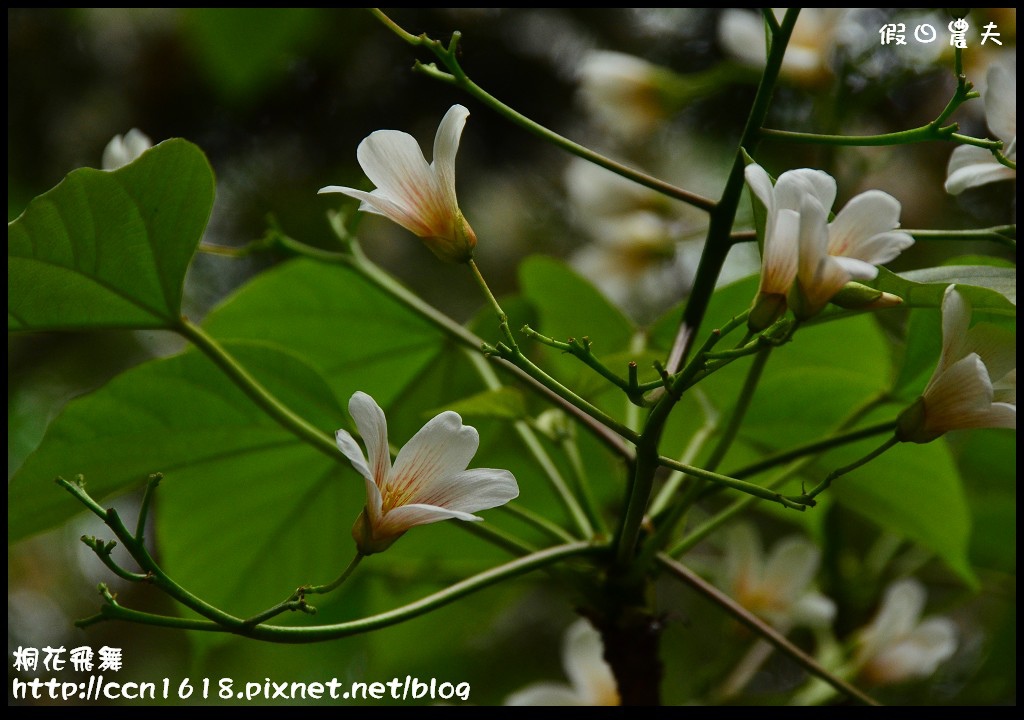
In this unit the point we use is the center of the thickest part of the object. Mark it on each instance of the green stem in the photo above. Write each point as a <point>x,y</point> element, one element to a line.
<point>321,589</point>
<point>256,391</point>
<point>357,261</point>
<point>704,475</point>
<point>279,634</point>
<point>723,516</point>
<point>458,78</point>
<point>760,627</point>
<point>572,452</point>
<point>540,455</point>
<point>537,521</point>
<point>808,498</point>
<point>1002,234</point>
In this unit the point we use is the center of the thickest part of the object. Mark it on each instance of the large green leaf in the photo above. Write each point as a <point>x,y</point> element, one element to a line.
<point>110,249</point>
<point>178,415</point>
<point>989,289</point>
<point>357,336</point>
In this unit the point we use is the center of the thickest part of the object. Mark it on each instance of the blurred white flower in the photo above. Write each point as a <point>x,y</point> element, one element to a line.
<point>644,248</point>
<point>806,62</point>
<point>970,166</point>
<point>419,197</point>
<point>777,587</point>
<point>591,679</point>
<point>429,481</point>
<point>974,384</point>
<point>807,260</point>
<point>122,149</point>
<point>897,645</point>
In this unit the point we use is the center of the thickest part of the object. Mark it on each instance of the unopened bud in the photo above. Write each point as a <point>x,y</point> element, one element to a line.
<point>855,296</point>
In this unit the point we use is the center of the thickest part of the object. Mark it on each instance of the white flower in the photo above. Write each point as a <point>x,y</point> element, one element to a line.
<point>622,92</point>
<point>974,384</point>
<point>970,166</point>
<point>806,260</point>
<point>806,62</point>
<point>592,681</point>
<point>897,646</point>
<point>419,197</point>
<point>122,149</point>
<point>428,482</point>
<point>777,587</point>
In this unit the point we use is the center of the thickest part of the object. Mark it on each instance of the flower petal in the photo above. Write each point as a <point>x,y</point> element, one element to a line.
<point>794,186</point>
<point>743,561</point>
<point>741,33</point>
<point>898,615</point>
<point>585,666</point>
<point>350,449</point>
<point>373,426</point>
<point>997,348</point>
<point>761,184</point>
<point>446,145</point>
<point>971,166</point>
<point>863,229</point>
<point>397,520</point>
<point>424,467</point>
<point>916,655</point>
<point>1001,103</point>
<point>813,610</point>
<point>789,569</point>
<point>781,252</point>
<point>472,490</point>
<point>956,318</point>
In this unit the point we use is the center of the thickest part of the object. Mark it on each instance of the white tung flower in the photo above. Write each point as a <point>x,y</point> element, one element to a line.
<point>123,149</point>
<point>779,586</point>
<point>807,260</point>
<point>429,481</point>
<point>970,166</point>
<point>898,646</point>
<point>592,681</point>
<point>419,197</point>
<point>974,384</point>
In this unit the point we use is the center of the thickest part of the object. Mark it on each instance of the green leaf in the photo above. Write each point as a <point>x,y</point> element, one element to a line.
<point>357,336</point>
<point>569,306</point>
<point>990,289</point>
<point>110,249</point>
<point>179,416</point>
<point>506,403</point>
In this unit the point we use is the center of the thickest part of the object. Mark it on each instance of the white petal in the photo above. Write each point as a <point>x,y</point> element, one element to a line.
<point>819,275</point>
<point>857,269</point>
<point>743,560</point>
<point>472,490</point>
<point>996,347</point>
<point>583,658</point>
<point>395,164</point>
<point>916,655</point>
<point>1001,103</point>
<point>789,569</point>
<point>971,166</point>
<point>863,229</point>
<point>424,467</point>
<point>956,318</point>
<point>373,426</point>
<point>446,145</point>
<point>742,34</point>
<point>813,610</point>
<point>901,608</point>
<point>545,694</point>
<point>761,184</point>
<point>794,186</point>
<point>781,252</point>
<point>350,449</point>
<point>400,519</point>
<point>374,504</point>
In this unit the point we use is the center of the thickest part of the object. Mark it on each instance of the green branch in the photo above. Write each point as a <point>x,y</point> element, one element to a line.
<point>456,76</point>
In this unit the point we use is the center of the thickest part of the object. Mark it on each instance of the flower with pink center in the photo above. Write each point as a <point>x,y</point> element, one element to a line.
<point>974,384</point>
<point>428,482</point>
<point>418,196</point>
